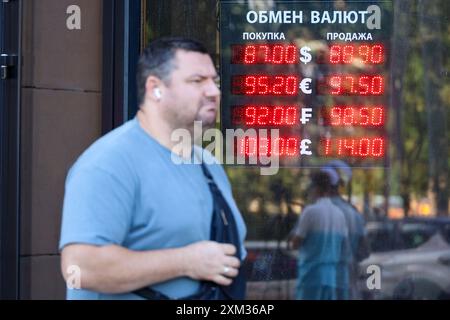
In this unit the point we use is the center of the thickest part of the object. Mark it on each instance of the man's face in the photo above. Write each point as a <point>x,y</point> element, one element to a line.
<point>191,94</point>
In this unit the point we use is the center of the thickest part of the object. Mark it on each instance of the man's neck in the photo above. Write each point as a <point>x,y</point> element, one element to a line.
<point>161,131</point>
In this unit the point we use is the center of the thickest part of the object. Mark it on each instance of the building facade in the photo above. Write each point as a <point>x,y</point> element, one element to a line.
<point>67,77</point>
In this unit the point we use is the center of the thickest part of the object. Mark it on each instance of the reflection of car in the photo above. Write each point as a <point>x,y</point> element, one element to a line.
<point>270,269</point>
<point>414,257</point>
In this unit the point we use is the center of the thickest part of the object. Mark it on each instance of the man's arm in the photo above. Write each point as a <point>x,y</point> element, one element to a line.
<point>115,269</point>
<point>300,230</point>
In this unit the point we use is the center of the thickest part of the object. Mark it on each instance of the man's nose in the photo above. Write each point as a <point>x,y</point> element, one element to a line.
<point>212,90</point>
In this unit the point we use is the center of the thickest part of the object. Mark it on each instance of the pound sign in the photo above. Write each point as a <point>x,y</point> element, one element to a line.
<point>304,147</point>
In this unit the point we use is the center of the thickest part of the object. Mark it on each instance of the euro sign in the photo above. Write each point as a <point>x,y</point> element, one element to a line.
<point>305,86</point>
<point>305,55</point>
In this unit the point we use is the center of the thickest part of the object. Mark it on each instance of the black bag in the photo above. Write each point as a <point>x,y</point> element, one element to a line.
<point>223,230</point>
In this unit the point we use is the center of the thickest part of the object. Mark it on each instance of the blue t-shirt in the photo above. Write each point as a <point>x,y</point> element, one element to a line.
<point>126,190</point>
<point>321,260</point>
<point>355,224</point>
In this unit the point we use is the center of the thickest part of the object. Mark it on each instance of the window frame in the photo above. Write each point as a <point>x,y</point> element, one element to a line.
<point>10,101</point>
<point>122,20</point>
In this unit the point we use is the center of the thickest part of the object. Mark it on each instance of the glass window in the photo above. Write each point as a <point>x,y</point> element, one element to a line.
<point>190,18</point>
<point>415,183</point>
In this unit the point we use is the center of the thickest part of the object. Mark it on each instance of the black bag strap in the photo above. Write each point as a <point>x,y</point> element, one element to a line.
<point>223,230</point>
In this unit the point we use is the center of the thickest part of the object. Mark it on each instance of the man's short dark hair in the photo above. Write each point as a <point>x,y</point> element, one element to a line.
<point>321,181</point>
<point>157,60</point>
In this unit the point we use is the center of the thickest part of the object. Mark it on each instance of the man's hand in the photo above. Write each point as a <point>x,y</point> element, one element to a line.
<point>115,269</point>
<point>212,261</point>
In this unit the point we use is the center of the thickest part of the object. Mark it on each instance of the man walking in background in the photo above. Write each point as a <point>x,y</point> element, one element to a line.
<point>321,236</point>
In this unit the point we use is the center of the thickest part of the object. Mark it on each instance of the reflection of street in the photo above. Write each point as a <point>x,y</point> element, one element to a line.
<point>414,259</point>
<point>271,290</point>
<point>413,255</point>
<point>271,270</point>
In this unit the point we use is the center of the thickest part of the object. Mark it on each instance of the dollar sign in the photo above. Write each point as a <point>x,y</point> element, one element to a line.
<point>306,56</point>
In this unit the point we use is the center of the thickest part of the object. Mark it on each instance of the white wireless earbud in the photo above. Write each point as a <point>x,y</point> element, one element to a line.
<point>157,93</point>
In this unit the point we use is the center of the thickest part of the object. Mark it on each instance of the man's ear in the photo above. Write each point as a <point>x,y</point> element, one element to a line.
<point>153,88</point>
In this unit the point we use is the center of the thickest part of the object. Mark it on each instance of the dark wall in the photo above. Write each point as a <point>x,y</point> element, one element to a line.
<point>61,116</point>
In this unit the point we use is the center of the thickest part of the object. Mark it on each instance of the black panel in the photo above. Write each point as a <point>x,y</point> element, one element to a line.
<point>121,49</point>
<point>9,148</point>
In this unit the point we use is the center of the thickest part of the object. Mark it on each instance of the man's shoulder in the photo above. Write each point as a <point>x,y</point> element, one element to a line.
<point>312,208</point>
<point>348,208</point>
<point>324,207</point>
<point>342,205</point>
<point>109,152</point>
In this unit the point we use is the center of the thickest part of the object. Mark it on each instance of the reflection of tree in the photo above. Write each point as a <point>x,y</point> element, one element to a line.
<point>430,15</point>
<point>420,132</point>
<point>420,96</point>
<point>276,196</point>
<point>190,18</point>
<point>399,53</point>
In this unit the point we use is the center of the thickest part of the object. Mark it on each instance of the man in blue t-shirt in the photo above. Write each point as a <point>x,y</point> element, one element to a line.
<point>321,235</point>
<point>133,216</point>
<point>340,173</point>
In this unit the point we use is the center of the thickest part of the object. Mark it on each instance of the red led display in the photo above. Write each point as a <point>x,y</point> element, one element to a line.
<point>351,53</point>
<point>364,147</point>
<point>265,85</point>
<point>364,85</point>
<point>354,116</point>
<point>257,115</point>
<point>259,146</point>
<point>264,54</point>
<point>307,98</point>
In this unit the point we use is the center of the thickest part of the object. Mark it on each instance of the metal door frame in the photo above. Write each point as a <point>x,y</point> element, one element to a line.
<point>121,50</point>
<point>10,82</point>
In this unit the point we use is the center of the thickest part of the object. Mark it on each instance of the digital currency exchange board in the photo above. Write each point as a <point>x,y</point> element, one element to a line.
<point>305,81</point>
